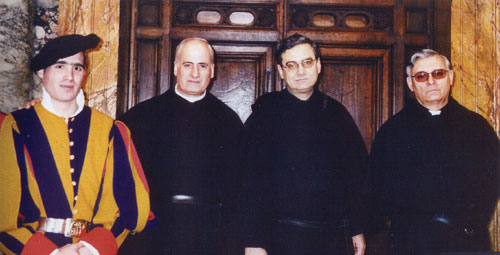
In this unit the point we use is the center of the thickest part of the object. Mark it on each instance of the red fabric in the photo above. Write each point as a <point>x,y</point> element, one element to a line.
<point>151,216</point>
<point>38,244</point>
<point>103,240</point>
<point>30,163</point>
<point>130,144</point>
<point>2,116</point>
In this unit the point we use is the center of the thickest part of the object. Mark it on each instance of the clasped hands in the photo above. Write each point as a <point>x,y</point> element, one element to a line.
<point>74,249</point>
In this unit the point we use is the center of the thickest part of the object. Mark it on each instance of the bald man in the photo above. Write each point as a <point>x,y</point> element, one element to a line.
<point>187,140</point>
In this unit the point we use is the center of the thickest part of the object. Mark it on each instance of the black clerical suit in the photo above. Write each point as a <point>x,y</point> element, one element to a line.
<point>437,177</point>
<point>190,153</point>
<point>306,163</point>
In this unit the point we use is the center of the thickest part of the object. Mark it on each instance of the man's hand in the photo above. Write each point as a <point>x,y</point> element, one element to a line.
<point>359,244</point>
<point>85,251</point>
<point>30,103</point>
<point>255,251</point>
<point>70,249</point>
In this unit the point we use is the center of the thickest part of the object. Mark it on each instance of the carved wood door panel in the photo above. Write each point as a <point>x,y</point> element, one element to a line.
<point>364,46</point>
<point>358,78</point>
<point>242,74</point>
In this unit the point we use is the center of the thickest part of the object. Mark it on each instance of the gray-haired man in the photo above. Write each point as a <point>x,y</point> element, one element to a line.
<point>436,166</point>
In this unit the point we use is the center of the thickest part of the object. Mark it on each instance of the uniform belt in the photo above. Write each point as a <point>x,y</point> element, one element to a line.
<point>69,227</point>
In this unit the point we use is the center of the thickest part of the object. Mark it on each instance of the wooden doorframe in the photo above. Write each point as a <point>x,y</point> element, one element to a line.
<point>383,85</point>
<point>400,39</point>
<point>266,80</point>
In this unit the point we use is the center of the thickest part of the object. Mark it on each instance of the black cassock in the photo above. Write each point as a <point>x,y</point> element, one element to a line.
<point>190,154</point>
<point>437,177</point>
<point>306,176</point>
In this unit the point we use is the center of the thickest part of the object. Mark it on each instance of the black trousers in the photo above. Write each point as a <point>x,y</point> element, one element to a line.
<point>288,238</point>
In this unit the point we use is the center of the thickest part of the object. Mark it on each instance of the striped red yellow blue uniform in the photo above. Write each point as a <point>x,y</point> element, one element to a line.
<point>84,169</point>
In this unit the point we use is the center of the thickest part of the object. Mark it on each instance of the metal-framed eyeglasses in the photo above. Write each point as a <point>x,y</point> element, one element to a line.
<point>437,74</point>
<point>292,66</point>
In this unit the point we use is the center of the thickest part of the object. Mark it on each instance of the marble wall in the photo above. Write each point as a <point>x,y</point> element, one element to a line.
<point>45,22</point>
<point>475,56</point>
<point>16,40</point>
<point>102,18</point>
<point>19,40</point>
<point>45,28</point>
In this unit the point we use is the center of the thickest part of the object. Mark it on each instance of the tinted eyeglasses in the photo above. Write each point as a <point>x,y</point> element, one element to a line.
<point>437,74</point>
<point>292,66</point>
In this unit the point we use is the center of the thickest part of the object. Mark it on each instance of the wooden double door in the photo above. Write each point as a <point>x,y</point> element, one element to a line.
<point>364,46</point>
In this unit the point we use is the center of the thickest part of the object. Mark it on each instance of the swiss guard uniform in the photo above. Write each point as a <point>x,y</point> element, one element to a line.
<point>66,180</point>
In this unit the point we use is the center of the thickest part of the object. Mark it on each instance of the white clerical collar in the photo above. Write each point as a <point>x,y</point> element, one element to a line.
<point>434,113</point>
<point>47,103</point>
<point>190,99</point>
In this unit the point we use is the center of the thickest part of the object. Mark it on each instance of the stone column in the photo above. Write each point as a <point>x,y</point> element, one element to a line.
<point>475,56</point>
<point>16,40</point>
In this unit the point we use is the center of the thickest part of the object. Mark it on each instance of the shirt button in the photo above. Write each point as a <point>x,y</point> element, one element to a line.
<point>72,170</point>
<point>70,130</point>
<point>76,197</point>
<point>73,183</point>
<point>72,119</point>
<point>71,143</point>
<point>75,211</point>
<point>71,157</point>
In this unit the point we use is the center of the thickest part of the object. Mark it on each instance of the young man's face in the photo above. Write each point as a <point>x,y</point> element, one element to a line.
<point>63,80</point>
<point>300,70</point>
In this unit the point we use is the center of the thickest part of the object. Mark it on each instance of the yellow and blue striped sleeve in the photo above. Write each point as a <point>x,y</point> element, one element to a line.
<point>19,214</point>
<point>124,202</point>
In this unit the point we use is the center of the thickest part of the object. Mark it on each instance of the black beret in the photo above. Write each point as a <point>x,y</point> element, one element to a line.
<point>61,47</point>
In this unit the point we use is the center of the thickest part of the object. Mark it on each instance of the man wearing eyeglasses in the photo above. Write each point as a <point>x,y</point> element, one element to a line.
<point>436,166</point>
<point>306,164</point>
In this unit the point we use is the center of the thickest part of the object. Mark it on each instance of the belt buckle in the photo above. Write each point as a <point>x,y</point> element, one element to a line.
<point>74,228</point>
<point>183,199</point>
